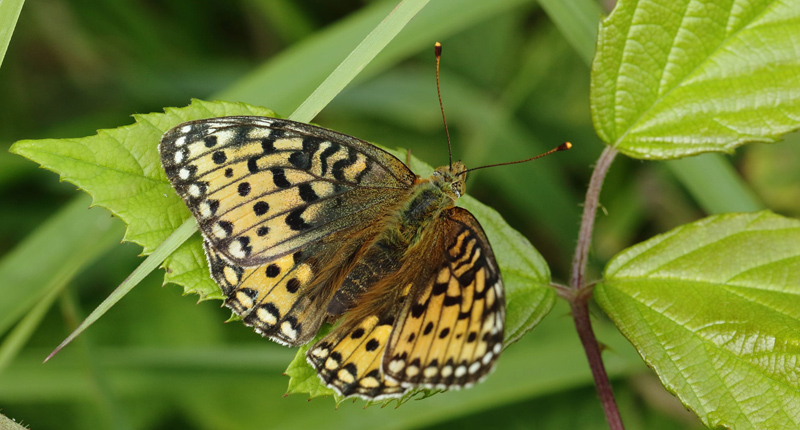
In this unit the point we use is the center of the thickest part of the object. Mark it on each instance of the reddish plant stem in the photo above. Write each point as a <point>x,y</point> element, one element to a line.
<point>580,314</point>
<point>580,293</point>
<point>587,220</point>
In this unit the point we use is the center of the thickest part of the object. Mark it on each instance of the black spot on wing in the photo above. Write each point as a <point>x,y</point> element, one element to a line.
<point>372,345</point>
<point>327,153</point>
<point>252,165</point>
<point>213,205</point>
<point>452,300</point>
<point>295,220</point>
<point>439,288</point>
<point>307,192</point>
<point>300,160</point>
<point>293,285</point>
<point>219,157</point>
<point>273,270</point>
<point>226,226</point>
<point>268,144</point>
<point>279,178</point>
<point>243,189</point>
<point>261,208</point>
<point>338,167</point>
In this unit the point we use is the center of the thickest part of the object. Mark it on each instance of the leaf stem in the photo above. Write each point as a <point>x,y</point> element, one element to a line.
<point>579,296</point>
<point>587,220</point>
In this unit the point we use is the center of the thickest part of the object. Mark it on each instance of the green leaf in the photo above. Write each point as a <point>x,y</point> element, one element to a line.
<point>526,278</point>
<point>121,169</point>
<point>714,308</point>
<point>677,78</point>
<point>303,377</point>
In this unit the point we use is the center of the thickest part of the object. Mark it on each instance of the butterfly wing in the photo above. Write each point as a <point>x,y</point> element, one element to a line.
<point>438,323</point>
<point>282,206</point>
<point>264,187</point>
<point>450,331</point>
<point>349,358</point>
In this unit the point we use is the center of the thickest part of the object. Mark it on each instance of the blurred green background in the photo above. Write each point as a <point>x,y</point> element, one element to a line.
<point>513,87</point>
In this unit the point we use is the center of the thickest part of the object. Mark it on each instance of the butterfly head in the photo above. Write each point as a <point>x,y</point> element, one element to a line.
<point>450,179</point>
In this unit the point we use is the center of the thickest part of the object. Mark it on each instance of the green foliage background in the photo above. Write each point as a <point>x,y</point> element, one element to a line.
<point>513,86</point>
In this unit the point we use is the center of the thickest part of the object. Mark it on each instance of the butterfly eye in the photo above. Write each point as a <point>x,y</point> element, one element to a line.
<point>456,189</point>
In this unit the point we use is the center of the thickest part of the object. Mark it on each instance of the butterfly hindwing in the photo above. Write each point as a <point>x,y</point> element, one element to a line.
<point>450,330</point>
<point>436,323</point>
<point>277,300</point>
<point>349,359</point>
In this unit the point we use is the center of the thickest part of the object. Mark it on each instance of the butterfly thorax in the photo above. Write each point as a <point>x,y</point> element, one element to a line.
<point>428,198</point>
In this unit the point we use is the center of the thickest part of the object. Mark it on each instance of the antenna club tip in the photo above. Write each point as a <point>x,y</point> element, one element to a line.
<point>564,146</point>
<point>437,49</point>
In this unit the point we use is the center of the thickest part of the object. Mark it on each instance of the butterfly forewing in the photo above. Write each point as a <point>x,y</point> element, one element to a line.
<point>264,187</point>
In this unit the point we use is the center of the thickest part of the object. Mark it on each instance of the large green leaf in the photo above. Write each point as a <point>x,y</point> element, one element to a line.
<point>714,308</point>
<point>676,78</point>
<point>121,169</point>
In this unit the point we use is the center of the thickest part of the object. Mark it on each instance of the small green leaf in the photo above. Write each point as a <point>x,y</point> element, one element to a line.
<point>121,169</point>
<point>526,278</point>
<point>677,78</point>
<point>303,377</point>
<point>714,308</point>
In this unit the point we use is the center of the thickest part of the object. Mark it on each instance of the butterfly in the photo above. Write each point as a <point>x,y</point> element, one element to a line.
<point>304,226</point>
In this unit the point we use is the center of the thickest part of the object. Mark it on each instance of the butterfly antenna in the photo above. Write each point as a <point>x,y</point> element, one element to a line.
<point>563,147</point>
<point>437,49</point>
